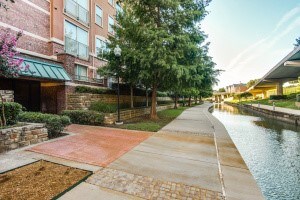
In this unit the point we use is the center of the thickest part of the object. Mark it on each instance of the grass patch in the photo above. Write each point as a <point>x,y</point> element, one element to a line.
<point>40,180</point>
<point>145,124</point>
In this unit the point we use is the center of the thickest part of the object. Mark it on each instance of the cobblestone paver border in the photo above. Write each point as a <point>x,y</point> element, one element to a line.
<point>150,188</point>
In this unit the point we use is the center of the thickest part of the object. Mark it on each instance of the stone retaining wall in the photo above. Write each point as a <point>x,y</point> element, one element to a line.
<point>289,118</point>
<point>17,137</point>
<point>7,95</point>
<point>110,118</point>
<point>82,101</point>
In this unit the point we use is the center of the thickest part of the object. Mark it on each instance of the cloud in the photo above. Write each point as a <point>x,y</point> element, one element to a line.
<point>262,46</point>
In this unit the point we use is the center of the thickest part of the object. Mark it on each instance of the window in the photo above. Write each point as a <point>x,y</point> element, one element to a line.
<point>101,48</point>
<point>81,73</point>
<point>111,2</point>
<point>78,9</point>
<point>76,41</point>
<point>97,77</point>
<point>111,23</point>
<point>99,16</point>
<point>119,9</point>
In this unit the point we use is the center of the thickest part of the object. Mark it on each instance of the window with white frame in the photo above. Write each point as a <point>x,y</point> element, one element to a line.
<point>111,23</point>
<point>78,9</point>
<point>119,8</point>
<point>81,73</point>
<point>76,40</point>
<point>101,48</point>
<point>99,16</point>
<point>111,2</point>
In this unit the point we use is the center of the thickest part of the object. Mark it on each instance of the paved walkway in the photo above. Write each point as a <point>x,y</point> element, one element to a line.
<point>279,109</point>
<point>193,157</point>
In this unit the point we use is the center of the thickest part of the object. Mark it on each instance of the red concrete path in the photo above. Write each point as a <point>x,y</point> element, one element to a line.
<point>93,145</point>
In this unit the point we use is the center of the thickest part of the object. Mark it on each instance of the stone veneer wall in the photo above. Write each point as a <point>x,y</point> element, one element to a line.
<point>7,95</point>
<point>110,118</point>
<point>82,101</point>
<point>17,137</point>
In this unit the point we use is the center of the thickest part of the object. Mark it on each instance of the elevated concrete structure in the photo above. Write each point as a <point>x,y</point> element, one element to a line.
<point>288,69</point>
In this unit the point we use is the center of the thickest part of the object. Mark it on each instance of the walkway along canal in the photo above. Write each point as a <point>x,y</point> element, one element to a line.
<point>270,148</point>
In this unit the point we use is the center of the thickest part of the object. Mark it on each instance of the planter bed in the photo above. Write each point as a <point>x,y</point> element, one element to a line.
<point>40,180</point>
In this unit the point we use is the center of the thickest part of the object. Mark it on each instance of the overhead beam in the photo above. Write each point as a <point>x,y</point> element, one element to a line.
<point>294,63</point>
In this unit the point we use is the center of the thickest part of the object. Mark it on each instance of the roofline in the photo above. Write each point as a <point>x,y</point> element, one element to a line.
<point>296,50</point>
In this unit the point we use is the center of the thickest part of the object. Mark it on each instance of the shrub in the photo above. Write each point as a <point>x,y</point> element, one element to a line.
<point>298,98</point>
<point>84,89</point>
<point>11,112</point>
<point>103,107</point>
<point>278,97</point>
<point>84,117</point>
<point>54,123</point>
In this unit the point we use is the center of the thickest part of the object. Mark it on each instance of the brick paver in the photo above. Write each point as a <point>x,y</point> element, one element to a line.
<point>93,145</point>
<point>148,187</point>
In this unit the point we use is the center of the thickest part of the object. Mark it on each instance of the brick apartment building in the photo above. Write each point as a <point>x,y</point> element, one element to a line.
<point>61,42</point>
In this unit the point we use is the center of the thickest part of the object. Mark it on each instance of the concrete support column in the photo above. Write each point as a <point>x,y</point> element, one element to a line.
<point>279,88</point>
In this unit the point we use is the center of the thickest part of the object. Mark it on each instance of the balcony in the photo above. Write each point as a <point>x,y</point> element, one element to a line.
<point>75,10</point>
<point>89,80</point>
<point>76,48</point>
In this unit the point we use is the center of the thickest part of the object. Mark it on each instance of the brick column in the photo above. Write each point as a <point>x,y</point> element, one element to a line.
<point>7,95</point>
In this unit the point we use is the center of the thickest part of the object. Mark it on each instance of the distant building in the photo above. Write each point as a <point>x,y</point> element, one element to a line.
<point>236,88</point>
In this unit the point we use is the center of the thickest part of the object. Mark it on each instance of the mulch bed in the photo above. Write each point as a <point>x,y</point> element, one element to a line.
<point>40,180</point>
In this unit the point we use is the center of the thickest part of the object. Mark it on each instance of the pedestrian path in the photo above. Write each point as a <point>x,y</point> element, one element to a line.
<point>278,109</point>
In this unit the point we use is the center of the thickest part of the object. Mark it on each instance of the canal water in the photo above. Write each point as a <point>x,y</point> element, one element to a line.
<point>271,150</point>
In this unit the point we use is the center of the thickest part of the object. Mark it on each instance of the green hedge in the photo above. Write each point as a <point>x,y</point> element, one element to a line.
<point>54,123</point>
<point>84,89</point>
<point>85,117</point>
<point>278,97</point>
<point>11,112</point>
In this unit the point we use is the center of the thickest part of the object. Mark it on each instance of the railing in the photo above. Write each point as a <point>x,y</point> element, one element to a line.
<point>77,11</point>
<point>76,48</point>
<point>87,79</point>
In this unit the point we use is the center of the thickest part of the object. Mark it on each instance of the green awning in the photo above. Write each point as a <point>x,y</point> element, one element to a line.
<point>44,70</point>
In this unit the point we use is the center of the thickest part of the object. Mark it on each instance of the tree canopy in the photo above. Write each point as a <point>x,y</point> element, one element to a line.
<point>163,47</point>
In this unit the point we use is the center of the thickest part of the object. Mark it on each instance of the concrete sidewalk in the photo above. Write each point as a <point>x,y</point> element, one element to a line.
<point>193,157</point>
<point>278,109</point>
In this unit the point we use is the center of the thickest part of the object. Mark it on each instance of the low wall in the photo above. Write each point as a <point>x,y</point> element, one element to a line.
<point>17,137</point>
<point>82,101</point>
<point>289,118</point>
<point>7,95</point>
<point>110,118</point>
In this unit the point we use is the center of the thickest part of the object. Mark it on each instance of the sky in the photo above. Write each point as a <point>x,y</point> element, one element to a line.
<point>249,37</point>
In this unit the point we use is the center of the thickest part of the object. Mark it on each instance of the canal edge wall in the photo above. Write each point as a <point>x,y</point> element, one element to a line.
<point>285,117</point>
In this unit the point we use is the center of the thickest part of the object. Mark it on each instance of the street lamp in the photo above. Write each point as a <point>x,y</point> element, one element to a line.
<point>117,52</point>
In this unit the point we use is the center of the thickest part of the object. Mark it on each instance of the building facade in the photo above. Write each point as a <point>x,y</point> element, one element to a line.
<point>63,42</point>
<point>236,88</point>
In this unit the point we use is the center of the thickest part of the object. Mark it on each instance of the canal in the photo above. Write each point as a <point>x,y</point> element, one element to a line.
<point>271,150</point>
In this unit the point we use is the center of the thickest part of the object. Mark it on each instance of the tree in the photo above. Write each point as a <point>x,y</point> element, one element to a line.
<point>252,83</point>
<point>155,35</point>
<point>297,44</point>
<point>4,5</point>
<point>10,66</point>
<point>222,90</point>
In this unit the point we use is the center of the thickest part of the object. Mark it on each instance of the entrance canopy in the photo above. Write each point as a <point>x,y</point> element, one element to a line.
<point>44,70</point>
<point>288,69</point>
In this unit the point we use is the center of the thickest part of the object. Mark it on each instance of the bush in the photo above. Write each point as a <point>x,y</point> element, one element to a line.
<point>103,107</point>
<point>278,97</point>
<point>85,117</point>
<point>54,123</point>
<point>298,98</point>
<point>84,89</point>
<point>11,112</point>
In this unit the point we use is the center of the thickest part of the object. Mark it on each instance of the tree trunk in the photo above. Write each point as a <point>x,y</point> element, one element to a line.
<point>196,100</point>
<point>3,119</point>
<point>153,113</point>
<point>175,102</point>
<point>190,101</point>
<point>131,97</point>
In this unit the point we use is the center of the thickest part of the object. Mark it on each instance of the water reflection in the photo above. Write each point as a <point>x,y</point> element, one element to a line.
<point>270,148</point>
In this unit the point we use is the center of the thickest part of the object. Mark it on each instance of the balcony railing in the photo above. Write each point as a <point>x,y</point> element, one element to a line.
<point>77,11</point>
<point>87,79</point>
<point>76,48</point>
